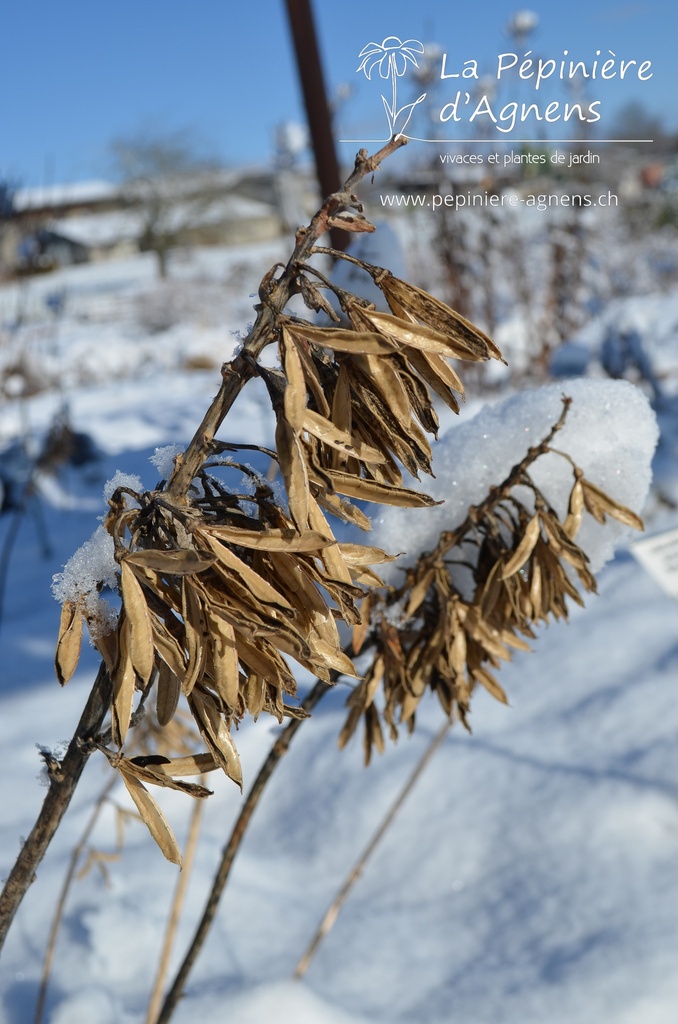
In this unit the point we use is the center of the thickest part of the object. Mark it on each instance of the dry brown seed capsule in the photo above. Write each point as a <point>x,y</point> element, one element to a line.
<point>151,814</point>
<point>464,337</point>
<point>69,642</point>
<point>524,549</point>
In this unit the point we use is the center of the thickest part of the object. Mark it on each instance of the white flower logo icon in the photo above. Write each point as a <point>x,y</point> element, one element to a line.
<point>391,57</point>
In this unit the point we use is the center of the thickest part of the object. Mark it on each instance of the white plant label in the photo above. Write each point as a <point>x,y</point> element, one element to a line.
<point>659,557</point>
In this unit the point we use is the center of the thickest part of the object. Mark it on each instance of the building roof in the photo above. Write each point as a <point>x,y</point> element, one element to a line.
<point>70,194</point>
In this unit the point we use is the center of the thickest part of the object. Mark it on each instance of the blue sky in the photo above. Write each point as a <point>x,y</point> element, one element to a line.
<point>75,74</point>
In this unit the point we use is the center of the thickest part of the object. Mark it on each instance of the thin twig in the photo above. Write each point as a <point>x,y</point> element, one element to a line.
<point>230,851</point>
<point>175,911</point>
<point>356,871</point>
<point>275,294</point>
<point>76,854</point>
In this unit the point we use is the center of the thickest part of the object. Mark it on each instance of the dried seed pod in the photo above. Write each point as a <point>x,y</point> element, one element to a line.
<point>374,737</point>
<point>439,376</point>
<point>600,505</point>
<point>184,562</point>
<point>272,539</point>
<point>195,632</point>
<point>69,642</point>
<point>216,732</point>
<point>255,694</point>
<point>313,367</point>
<point>331,556</point>
<point>406,333</point>
<point>536,589</point>
<point>150,814</point>
<point>224,652</point>
<point>294,469</point>
<point>314,298</point>
<point>148,769</point>
<point>168,648</point>
<point>361,628</point>
<point>168,693</point>
<point>575,510</point>
<point>384,494</point>
<point>124,685</point>
<point>487,680</point>
<point>524,549</point>
<point>189,764</point>
<point>327,432</point>
<point>340,339</point>
<point>465,340</point>
<point>228,562</point>
<point>141,646</point>
<point>294,395</point>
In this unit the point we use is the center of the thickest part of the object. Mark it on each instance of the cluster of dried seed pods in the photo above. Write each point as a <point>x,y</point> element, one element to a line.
<point>219,589</point>
<point>465,606</point>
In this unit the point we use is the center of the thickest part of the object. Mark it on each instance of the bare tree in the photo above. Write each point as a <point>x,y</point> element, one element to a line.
<point>167,184</point>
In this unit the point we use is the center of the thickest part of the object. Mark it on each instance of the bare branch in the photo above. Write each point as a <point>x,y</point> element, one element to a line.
<point>230,851</point>
<point>332,912</point>
<point>276,295</point>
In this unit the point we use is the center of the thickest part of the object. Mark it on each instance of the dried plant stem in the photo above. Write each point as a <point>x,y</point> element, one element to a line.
<point>175,911</point>
<point>63,782</point>
<point>499,493</point>
<point>230,851</point>
<point>274,294</point>
<point>447,540</point>
<point>332,912</point>
<point>236,373</point>
<point>76,854</point>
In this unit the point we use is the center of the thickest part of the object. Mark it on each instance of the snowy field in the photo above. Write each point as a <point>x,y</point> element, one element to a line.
<point>531,878</point>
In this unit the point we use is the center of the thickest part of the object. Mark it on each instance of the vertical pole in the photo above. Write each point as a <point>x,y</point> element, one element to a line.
<point>318,113</point>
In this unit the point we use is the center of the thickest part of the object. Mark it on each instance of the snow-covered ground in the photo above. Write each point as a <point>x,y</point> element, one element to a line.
<point>530,878</point>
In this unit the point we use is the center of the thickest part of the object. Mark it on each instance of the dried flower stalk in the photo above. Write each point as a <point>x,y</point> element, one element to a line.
<point>440,637</point>
<point>216,597</point>
<point>219,589</point>
<point>330,916</point>
<point>465,606</point>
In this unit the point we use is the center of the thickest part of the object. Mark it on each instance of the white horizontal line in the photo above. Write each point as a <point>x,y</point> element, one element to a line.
<point>494,142</point>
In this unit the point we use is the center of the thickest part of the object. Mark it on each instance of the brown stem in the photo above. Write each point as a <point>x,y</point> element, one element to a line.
<point>452,538</point>
<point>63,782</point>
<point>275,294</point>
<point>76,854</point>
<point>228,855</point>
<point>448,540</point>
<point>236,373</point>
<point>332,912</point>
<point>175,913</point>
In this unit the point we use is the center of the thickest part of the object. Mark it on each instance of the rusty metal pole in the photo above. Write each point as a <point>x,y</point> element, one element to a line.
<point>318,112</point>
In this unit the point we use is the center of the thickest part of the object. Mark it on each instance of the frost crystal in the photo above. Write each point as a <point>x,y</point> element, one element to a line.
<point>163,459</point>
<point>130,480</point>
<point>92,566</point>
